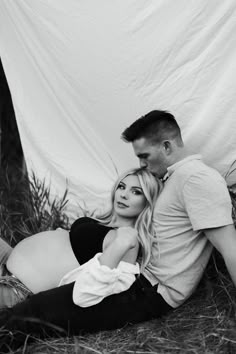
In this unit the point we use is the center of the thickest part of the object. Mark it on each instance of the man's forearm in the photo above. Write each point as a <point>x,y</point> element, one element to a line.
<point>224,240</point>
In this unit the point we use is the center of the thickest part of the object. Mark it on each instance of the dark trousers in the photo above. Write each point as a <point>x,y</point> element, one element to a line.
<point>53,313</point>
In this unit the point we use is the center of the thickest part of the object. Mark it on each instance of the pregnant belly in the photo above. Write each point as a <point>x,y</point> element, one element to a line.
<point>40,261</point>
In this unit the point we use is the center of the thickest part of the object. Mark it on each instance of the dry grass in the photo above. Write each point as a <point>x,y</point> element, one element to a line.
<point>26,207</point>
<point>206,323</point>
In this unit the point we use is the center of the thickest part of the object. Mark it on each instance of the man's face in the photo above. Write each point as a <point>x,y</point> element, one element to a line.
<point>152,156</point>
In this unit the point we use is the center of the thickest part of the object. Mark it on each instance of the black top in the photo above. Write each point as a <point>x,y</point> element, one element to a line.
<point>86,238</point>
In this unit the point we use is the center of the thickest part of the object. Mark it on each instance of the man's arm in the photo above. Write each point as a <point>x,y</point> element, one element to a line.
<point>224,240</point>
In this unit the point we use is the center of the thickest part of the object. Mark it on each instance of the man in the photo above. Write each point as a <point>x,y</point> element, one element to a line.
<point>193,209</point>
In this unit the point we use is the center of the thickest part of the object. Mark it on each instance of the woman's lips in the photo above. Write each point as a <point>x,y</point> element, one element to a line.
<point>122,205</point>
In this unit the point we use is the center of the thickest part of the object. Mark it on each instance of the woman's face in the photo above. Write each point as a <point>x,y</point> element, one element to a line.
<point>129,198</point>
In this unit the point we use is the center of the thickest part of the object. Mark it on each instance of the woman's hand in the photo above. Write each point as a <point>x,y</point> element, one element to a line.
<point>123,245</point>
<point>128,235</point>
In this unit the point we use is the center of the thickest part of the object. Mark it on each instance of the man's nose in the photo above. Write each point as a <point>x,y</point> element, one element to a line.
<point>142,163</point>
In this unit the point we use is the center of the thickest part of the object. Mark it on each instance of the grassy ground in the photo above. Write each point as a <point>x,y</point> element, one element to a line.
<point>206,323</point>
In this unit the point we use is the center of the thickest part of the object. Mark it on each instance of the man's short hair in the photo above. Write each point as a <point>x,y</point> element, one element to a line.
<point>156,126</point>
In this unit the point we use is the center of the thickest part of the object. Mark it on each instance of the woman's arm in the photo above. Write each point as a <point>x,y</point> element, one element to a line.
<point>123,247</point>
<point>104,275</point>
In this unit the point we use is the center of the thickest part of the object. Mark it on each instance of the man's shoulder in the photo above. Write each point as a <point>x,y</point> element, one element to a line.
<point>196,172</point>
<point>197,167</point>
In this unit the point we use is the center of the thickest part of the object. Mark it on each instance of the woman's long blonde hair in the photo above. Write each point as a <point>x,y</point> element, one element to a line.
<point>151,189</point>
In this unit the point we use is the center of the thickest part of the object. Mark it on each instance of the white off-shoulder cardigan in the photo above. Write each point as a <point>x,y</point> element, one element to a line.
<point>94,282</point>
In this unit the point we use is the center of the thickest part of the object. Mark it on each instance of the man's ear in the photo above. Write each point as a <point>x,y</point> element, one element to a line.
<point>167,146</point>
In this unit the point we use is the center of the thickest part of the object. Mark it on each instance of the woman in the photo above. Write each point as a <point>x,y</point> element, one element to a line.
<point>53,312</point>
<point>39,262</point>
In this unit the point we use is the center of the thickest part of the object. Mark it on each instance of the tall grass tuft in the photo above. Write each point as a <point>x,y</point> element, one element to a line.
<point>27,207</point>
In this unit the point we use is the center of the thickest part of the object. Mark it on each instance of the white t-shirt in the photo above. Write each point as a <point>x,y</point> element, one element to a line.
<point>194,198</point>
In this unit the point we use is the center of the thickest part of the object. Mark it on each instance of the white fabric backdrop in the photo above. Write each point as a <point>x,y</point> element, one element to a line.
<point>81,71</point>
